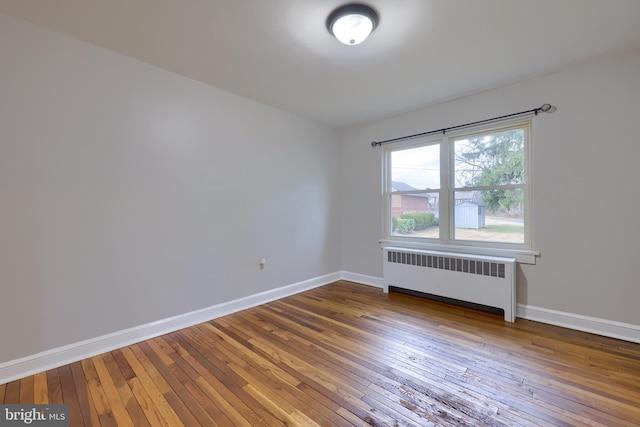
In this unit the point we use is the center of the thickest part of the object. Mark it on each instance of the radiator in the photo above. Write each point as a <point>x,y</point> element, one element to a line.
<point>489,281</point>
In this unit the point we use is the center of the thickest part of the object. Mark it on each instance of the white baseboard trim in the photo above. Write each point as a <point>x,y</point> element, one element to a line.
<point>362,278</point>
<point>49,359</point>
<point>594,325</point>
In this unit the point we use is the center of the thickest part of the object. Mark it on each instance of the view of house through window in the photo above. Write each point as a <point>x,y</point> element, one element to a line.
<point>478,181</point>
<point>414,210</point>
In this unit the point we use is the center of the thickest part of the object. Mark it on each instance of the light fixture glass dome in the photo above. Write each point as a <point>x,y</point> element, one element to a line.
<point>351,24</point>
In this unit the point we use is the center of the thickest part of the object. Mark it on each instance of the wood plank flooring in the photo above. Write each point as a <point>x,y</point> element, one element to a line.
<point>350,355</point>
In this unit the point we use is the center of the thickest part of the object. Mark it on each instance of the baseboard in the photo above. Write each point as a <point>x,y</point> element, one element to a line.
<point>40,362</point>
<point>29,365</point>
<point>594,325</point>
<point>362,279</point>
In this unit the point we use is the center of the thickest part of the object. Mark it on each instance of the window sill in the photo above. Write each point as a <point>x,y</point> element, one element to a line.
<point>521,256</point>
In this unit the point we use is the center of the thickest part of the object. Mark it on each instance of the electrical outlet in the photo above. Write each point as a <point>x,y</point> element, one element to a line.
<point>262,262</point>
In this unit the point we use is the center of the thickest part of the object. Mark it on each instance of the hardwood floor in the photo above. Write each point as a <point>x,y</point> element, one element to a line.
<point>347,354</point>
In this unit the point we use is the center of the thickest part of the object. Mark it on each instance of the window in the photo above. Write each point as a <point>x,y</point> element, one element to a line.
<point>467,188</point>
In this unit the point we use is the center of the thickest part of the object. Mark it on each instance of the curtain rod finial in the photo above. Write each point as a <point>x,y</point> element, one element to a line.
<point>374,143</point>
<point>547,108</point>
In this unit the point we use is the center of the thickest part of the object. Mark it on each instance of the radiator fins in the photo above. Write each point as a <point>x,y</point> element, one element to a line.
<point>451,263</point>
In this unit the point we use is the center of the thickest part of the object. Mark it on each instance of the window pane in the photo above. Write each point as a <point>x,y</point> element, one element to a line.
<point>490,216</point>
<point>416,168</point>
<point>490,159</point>
<point>415,215</point>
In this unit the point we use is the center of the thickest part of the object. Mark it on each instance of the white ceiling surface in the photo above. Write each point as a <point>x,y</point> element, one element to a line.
<point>279,52</point>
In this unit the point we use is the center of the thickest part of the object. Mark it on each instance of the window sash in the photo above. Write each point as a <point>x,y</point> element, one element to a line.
<point>446,192</point>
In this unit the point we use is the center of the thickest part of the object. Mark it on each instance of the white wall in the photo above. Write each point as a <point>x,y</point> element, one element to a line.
<point>129,194</point>
<point>586,172</point>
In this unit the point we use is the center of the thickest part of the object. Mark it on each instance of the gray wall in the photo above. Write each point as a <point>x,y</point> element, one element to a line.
<point>585,184</point>
<point>129,194</point>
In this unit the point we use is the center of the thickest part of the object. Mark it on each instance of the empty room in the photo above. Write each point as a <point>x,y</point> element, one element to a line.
<point>319,213</point>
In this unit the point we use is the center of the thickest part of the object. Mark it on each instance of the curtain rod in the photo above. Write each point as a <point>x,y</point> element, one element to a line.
<point>545,108</point>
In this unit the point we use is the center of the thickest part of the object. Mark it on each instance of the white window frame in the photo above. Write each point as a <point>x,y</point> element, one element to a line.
<point>522,252</point>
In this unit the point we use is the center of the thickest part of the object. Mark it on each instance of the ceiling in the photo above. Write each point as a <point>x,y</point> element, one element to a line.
<point>279,52</point>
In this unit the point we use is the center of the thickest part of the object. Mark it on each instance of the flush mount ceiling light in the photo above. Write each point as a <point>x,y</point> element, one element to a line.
<point>352,23</point>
